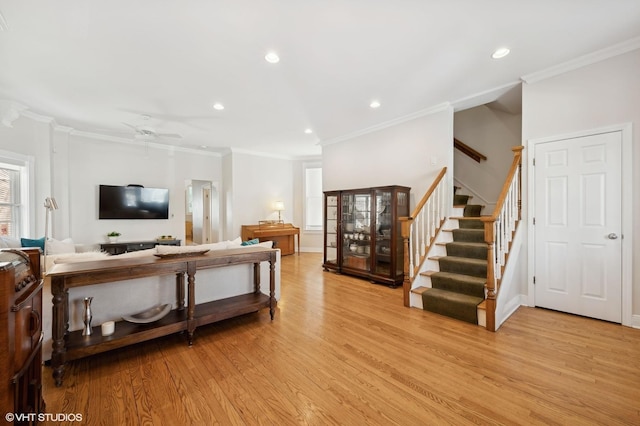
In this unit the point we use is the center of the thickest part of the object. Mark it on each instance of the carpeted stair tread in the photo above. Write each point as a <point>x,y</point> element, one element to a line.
<point>461,199</point>
<point>468,235</point>
<point>465,249</point>
<point>469,222</point>
<point>472,210</point>
<point>459,283</point>
<point>463,265</point>
<point>455,305</point>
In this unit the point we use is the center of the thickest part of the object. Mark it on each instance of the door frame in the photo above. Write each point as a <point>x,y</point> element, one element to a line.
<point>626,205</point>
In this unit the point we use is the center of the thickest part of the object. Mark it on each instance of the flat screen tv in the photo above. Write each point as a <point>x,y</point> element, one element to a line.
<point>132,202</point>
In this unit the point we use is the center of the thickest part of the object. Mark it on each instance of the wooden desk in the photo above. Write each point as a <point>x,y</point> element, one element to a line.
<point>72,345</point>
<point>281,234</point>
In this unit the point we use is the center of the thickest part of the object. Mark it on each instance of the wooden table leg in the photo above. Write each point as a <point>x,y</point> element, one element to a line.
<point>191,294</point>
<point>60,315</point>
<point>272,288</point>
<point>180,291</point>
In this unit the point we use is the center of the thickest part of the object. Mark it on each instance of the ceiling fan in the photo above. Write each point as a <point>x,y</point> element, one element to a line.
<point>146,132</point>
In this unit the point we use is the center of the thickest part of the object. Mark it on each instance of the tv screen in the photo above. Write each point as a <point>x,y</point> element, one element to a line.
<point>133,202</point>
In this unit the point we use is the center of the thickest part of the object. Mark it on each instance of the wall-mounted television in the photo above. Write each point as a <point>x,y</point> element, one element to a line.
<point>132,202</point>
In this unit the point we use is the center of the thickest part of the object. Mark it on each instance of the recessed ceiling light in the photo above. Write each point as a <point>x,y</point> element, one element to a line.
<point>500,53</point>
<point>272,57</point>
<point>204,146</point>
<point>308,131</point>
<point>375,104</point>
<point>218,106</point>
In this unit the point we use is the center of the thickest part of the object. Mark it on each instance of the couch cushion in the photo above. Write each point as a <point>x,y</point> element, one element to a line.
<point>29,242</point>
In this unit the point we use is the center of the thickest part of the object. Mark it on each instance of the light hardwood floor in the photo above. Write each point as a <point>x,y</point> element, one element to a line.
<point>344,351</point>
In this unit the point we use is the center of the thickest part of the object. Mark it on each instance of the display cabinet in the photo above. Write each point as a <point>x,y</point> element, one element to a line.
<point>362,232</point>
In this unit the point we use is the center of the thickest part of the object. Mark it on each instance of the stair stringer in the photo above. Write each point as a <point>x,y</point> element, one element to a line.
<point>510,296</point>
<point>415,299</point>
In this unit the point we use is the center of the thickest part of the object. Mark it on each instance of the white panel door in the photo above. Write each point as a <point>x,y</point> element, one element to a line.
<point>578,223</point>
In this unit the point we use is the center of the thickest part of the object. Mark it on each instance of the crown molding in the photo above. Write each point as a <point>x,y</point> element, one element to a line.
<point>583,61</point>
<point>484,97</point>
<point>386,124</point>
<point>39,117</point>
<point>259,154</point>
<point>127,141</point>
<point>3,23</point>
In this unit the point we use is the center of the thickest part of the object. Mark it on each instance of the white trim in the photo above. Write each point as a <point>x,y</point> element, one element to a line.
<point>386,124</point>
<point>627,209</point>
<point>583,61</point>
<point>3,24</point>
<point>150,144</point>
<point>483,97</point>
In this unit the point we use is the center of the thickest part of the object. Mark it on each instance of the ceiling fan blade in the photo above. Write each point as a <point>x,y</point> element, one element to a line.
<point>130,125</point>
<point>169,135</point>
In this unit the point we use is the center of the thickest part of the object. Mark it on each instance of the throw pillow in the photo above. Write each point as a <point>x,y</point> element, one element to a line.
<point>60,247</point>
<point>250,242</point>
<point>9,242</point>
<point>28,242</point>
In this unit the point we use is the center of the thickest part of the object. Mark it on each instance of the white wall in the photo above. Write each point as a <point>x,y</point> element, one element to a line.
<point>493,133</point>
<point>257,182</point>
<point>31,138</point>
<point>409,154</point>
<point>81,164</point>
<point>599,95</point>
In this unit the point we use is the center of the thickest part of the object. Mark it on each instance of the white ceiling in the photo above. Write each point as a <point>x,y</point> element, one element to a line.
<point>93,65</point>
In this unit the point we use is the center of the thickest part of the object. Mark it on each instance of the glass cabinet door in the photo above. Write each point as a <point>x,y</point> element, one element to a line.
<point>331,229</point>
<point>356,230</point>
<point>384,224</point>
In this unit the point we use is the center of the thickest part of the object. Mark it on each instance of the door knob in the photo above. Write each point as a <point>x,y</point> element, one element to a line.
<point>612,236</point>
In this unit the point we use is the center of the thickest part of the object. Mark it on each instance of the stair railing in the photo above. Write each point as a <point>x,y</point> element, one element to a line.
<point>420,229</point>
<point>499,229</point>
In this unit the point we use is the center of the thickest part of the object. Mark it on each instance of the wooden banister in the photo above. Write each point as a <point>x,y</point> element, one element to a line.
<point>429,192</point>
<point>467,150</point>
<point>498,239</point>
<point>419,230</point>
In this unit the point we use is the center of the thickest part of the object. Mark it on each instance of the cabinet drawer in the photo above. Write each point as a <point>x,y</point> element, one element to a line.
<point>140,246</point>
<point>28,325</point>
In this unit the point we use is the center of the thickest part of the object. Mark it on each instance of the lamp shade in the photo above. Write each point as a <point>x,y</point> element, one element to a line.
<point>278,205</point>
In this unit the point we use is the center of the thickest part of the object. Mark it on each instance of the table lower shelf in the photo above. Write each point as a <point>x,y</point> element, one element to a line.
<point>126,333</point>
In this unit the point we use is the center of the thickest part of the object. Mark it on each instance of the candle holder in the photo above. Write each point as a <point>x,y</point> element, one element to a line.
<point>87,316</point>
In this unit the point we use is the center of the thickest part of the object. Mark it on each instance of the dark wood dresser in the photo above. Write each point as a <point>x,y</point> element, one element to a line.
<point>21,335</point>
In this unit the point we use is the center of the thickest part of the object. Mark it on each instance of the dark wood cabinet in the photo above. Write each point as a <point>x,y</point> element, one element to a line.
<point>362,232</point>
<point>125,247</point>
<point>21,335</point>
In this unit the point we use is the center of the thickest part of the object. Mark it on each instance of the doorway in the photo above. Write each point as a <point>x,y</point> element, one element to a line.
<point>202,212</point>
<point>576,205</point>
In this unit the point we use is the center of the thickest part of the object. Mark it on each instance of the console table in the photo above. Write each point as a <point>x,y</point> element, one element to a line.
<point>125,247</point>
<point>281,234</point>
<point>68,346</point>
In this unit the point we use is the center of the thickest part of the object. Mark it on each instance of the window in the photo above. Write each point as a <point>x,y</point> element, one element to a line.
<point>312,197</point>
<point>10,205</point>
<point>15,176</point>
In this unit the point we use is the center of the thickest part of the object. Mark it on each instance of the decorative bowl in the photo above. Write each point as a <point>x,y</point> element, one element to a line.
<point>150,315</point>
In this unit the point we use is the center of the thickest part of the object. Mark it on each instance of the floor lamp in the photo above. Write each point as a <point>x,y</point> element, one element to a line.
<point>50,205</point>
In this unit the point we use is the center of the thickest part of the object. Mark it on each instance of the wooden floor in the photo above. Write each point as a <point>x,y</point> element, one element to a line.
<point>344,351</point>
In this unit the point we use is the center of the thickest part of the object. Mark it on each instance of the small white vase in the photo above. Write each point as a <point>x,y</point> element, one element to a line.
<point>113,239</point>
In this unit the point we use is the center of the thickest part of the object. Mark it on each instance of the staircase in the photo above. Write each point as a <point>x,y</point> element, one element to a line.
<point>455,265</point>
<point>458,287</point>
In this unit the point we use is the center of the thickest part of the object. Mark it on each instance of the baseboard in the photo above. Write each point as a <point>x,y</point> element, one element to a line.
<point>635,321</point>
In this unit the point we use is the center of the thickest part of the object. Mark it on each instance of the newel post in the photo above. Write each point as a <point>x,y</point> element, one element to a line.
<point>405,232</point>
<point>489,238</point>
